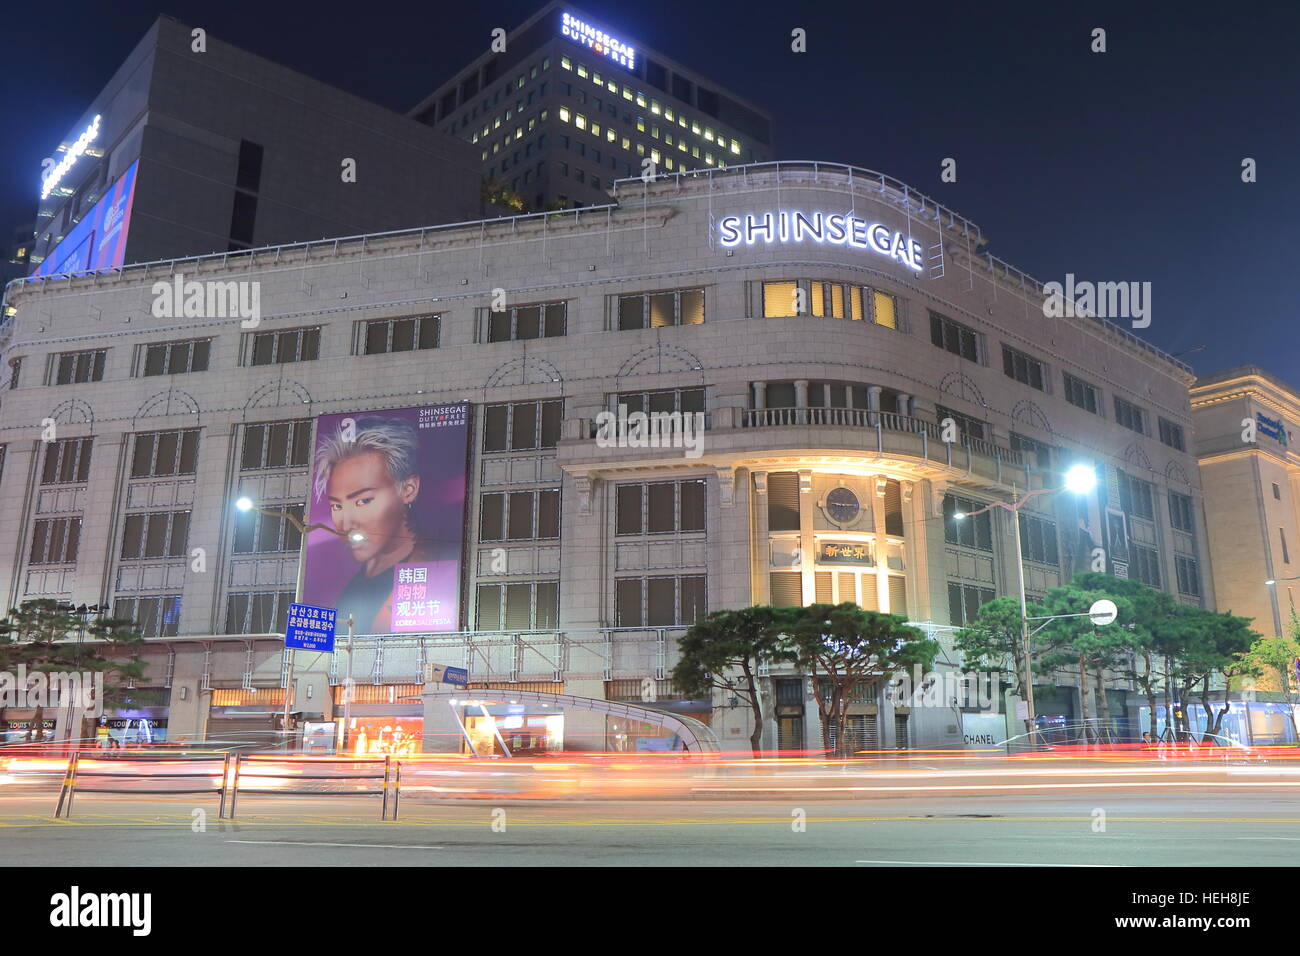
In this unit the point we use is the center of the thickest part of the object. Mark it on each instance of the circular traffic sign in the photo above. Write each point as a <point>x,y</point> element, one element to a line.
<point>1103,612</point>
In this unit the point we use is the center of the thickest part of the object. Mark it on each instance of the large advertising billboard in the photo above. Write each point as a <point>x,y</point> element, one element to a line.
<point>389,488</point>
<point>99,240</point>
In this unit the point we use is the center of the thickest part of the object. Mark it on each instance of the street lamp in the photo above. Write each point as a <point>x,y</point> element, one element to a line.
<point>246,504</point>
<point>1080,480</point>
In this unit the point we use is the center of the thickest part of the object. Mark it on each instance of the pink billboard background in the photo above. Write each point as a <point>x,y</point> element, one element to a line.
<point>394,563</point>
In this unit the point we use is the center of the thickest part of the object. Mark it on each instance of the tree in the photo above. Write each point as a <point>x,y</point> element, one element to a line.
<point>723,643</point>
<point>1075,640</point>
<point>995,637</point>
<point>499,194</point>
<point>1225,641</point>
<point>37,635</point>
<point>851,648</point>
<point>1279,655</point>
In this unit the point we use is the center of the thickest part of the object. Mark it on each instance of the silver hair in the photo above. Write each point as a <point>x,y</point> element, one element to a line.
<point>392,438</point>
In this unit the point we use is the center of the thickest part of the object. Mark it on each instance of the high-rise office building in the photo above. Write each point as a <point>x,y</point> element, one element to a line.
<point>571,105</point>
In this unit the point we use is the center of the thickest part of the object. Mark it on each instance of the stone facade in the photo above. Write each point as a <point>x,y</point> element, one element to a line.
<point>799,409</point>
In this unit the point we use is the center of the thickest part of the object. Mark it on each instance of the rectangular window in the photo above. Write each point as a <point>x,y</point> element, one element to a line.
<point>1136,496</point>
<point>71,368</point>
<point>176,358</point>
<point>290,345</point>
<point>1171,434</point>
<point>659,601</point>
<point>660,309</point>
<point>663,507</point>
<point>1144,565</point>
<point>400,335</point>
<point>683,400</point>
<point>521,426</point>
<point>55,541</point>
<point>1080,394</point>
<point>1180,512</point>
<point>159,454</point>
<point>1277,492</point>
<point>1130,416</point>
<point>884,309</point>
<point>971,532</point>
<point>67,461</point>
<point>257,533</point>
<point>1033,450</point>
<point>1189,575</point>
<point>954,337</point>
<point>1038,540</point>
<point>276,445</point>
<point>153,616</point>
<point>15,372</point>
<point>258,612</point>
<point>967,426</point>
<point>1023,368</point>
<point>965,601</point>
<point>520,515</point>
<point>787,298</point>
<point>547,320</point>
<point>525,606</point>
<point>1286,553</point>
<point>161,534</point>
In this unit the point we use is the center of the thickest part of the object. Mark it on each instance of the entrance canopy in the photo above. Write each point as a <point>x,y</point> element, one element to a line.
<point>696,736</point>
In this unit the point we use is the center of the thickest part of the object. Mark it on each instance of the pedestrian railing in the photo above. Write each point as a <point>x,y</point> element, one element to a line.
<point>236,771</point>
<point>390,788</point>
<point>75,773</point>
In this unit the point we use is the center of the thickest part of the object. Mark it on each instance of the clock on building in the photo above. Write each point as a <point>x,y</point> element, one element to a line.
<point>842,506</point>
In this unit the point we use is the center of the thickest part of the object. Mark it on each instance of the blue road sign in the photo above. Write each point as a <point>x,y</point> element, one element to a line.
<point>310,628</point>
<point>439,674</point>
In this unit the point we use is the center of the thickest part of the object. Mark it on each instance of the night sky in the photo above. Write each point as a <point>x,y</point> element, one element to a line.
<point>1122,166</point>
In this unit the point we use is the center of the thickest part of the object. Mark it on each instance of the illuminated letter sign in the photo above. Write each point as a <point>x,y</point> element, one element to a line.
<point>60,169</point>
<point>598,41</point>
<point>838,229</point>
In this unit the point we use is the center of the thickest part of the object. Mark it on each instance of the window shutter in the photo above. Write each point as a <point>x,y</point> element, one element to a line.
<point>783,501</point>
<point>787,589</point>
<point>897,595</point>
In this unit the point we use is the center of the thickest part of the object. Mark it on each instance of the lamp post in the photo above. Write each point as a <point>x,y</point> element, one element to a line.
<point>1079,480</point>
<point>1272,584</point>
<point>246,504</point>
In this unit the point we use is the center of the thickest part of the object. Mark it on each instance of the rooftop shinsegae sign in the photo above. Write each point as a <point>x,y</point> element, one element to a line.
<point>598,41</point>
<point>60,169</point>
<point>838,229</point>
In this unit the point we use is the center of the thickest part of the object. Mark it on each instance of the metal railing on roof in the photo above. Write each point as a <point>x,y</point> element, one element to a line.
<point>928,208</point>
<point>797,170</point>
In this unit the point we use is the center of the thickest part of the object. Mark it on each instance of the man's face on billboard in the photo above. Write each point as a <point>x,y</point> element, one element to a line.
<point>364,498</point>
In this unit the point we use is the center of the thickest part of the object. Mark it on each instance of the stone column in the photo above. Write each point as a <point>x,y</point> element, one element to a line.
<point>873,403</point>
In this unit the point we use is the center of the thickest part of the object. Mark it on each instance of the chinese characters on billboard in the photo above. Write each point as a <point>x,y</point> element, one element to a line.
<point>392,486</point>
